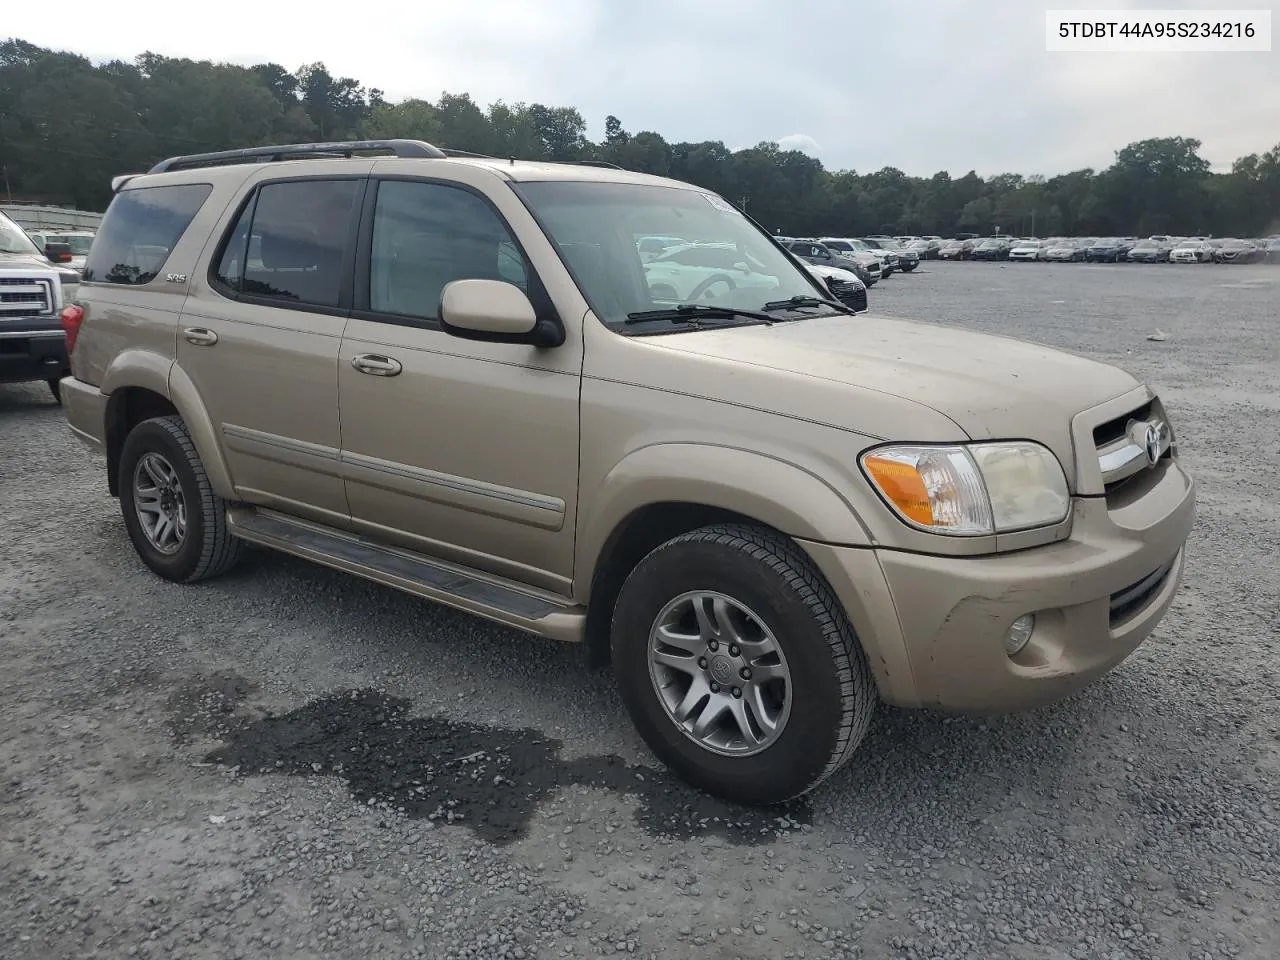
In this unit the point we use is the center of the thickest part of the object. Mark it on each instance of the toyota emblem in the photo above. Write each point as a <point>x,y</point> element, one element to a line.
<point>1152,443</point>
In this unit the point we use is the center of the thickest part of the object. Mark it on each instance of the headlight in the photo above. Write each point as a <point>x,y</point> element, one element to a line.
<point>972,490</point>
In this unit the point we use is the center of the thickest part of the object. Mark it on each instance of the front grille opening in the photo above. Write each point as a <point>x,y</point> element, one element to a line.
<point>1121,492</point>
<point>1113,430</point>
<point>1133,599</point>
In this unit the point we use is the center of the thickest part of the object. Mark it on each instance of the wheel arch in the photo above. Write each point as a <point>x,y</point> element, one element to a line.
<point>663,491</point>
<point>139,386</point>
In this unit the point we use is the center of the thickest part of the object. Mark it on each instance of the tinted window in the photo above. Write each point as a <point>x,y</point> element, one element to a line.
<point>295,242</point>
<point>140,230</point>
<point>426,235</point>
<point>231,265</point>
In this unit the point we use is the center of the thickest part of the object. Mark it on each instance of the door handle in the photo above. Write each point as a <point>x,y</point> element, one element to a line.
<point>200,336</point>
<point>376,365</point>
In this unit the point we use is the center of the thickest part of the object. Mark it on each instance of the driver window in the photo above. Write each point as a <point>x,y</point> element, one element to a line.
<point>425,236</point>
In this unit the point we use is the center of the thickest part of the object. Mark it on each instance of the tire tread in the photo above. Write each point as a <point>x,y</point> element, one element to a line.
<point>220,551</point>
<point>858,692</point>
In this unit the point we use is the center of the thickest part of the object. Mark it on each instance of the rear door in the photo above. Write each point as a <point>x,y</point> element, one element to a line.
<point>260,335</point>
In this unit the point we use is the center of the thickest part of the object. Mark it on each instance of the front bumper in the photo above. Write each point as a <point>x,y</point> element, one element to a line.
<point>35,354</point>
<point>933,627</point>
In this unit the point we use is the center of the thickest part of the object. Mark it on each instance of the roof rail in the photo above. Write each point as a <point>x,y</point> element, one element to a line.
<point>591,163</point>
<point>401,148</point>
<point>467,153</point>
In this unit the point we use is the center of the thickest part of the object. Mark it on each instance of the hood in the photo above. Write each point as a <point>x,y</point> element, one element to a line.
<point>26,260</point>
<point>824,272</point>
<point>991,387</point>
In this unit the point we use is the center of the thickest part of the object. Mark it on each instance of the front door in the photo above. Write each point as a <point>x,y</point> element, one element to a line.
<point>260,340</point>
<point>463,450</point>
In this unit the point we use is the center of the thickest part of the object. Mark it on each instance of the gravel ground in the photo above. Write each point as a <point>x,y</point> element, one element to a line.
<point>288,762</point>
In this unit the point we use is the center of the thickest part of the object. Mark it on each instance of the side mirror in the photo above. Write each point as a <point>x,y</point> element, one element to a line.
<point>494,311</point>
<point>58,252</point>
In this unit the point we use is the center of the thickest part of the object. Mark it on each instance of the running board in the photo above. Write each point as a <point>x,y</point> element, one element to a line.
<point>487,596</point>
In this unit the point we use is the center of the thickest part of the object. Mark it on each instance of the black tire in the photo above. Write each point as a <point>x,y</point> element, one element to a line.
<point>832,695</point>
<point>208,548</point>
<point>55,388</point>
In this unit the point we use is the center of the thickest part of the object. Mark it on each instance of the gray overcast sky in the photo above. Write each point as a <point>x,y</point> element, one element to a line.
<point>923,85</point>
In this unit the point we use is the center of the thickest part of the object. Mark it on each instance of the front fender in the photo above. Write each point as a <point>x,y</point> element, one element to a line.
<point>788,498</point>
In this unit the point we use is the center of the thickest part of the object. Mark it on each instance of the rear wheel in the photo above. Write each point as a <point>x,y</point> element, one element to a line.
<point>55,388</point>
<point>176,522</point>
<point>738,666</point>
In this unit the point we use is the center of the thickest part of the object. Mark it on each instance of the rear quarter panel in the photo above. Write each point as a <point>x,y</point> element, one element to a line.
<point>143,319</point>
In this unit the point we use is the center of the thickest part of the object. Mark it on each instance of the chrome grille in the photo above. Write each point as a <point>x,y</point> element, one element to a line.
<point>25,297</point>
<point>850,294</point>
<point>1128,445</point>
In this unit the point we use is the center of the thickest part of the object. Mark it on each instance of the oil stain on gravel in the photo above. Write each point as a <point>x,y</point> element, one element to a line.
<point>489,779</point>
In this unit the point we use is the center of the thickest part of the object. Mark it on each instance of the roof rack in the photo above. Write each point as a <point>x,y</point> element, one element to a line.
<point>468,153</point>
<point>417,149</point>
<point>591,163</point>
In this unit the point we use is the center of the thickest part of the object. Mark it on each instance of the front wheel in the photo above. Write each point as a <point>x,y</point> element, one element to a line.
<point>738,666</point>
<point>177,523</point>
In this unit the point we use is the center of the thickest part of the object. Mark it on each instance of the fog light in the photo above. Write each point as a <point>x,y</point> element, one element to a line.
<point>1019,634</point>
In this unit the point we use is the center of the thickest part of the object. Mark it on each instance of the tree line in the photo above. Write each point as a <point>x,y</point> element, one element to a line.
<point>68,125</point>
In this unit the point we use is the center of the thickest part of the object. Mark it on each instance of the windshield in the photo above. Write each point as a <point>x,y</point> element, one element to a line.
<point>843,246</point>
<point>13,240</point>
<point>727,261</point>
<point>79,244</point>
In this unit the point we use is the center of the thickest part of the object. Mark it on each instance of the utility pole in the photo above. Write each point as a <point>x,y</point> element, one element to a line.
<point>744,203</point>
<point>7,192</point>
<point>1033,222</point>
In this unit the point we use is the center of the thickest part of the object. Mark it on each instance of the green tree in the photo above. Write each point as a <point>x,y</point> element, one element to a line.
<point>68,125</point>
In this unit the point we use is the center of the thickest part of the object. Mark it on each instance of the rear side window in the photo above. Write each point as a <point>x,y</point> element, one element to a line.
<point>140,230</point>
<point>288,242</point>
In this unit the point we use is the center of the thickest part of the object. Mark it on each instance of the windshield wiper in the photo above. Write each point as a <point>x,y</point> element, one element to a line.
<point>802,301</point>
<point>695,313</point>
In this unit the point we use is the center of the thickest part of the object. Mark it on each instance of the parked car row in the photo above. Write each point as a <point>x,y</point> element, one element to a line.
<point>1157,249</point>
<point>678,270</point>
<point>878,257</point>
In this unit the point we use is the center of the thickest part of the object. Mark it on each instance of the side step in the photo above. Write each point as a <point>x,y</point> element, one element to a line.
<point>491,597</point>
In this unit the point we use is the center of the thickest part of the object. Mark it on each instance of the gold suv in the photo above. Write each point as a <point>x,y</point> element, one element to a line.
<point>458,376</point>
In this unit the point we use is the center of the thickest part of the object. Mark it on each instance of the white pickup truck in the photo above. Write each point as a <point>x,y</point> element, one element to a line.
<point>33,290</point>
